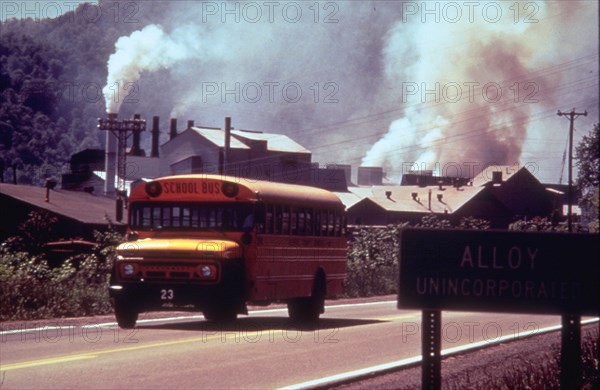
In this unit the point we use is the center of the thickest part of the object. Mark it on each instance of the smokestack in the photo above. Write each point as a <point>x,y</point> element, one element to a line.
<point>110,159</point>
<point>370,176</point>
<point>227,140</point>
<point>173,128</point>
<point>135,147</point>
<point>155,136</point>
<point>1,171</point>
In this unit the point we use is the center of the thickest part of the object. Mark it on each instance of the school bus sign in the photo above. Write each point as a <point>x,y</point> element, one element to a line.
<point>549,273</point>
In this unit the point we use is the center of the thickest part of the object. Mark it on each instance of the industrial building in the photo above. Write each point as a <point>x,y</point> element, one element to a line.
<point>499,194</point>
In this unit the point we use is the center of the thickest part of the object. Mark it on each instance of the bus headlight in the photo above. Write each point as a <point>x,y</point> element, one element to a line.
<point>128,270</point>
<point>208,272</point>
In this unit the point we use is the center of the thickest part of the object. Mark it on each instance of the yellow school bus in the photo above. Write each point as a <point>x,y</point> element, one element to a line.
<point>215,244</point>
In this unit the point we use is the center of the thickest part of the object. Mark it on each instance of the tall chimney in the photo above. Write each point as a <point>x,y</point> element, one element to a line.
<point>155,136</point>
<point>227,140</point>
<point>110,159</point>
<point>135,147</point>
<point>173,129</point>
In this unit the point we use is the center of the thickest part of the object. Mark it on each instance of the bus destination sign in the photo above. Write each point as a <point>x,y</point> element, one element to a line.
<point>500,271</point>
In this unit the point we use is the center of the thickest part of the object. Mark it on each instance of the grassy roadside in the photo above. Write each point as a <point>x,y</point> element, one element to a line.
<point>528,372</point>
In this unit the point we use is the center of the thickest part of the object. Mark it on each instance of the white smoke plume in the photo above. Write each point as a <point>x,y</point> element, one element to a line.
<point>358,54</point>
<point>146,50</point>
<point>451,62</point>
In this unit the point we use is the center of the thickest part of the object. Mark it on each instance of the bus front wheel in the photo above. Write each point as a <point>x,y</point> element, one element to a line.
<point>126,314</point>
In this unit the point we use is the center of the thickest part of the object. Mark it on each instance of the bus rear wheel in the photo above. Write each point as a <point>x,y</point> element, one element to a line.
<point>306,310</point>
<point>126,314</point>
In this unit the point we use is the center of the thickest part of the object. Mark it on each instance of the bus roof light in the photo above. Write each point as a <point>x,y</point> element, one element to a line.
<point>153,189</point>
<point>230,189</point>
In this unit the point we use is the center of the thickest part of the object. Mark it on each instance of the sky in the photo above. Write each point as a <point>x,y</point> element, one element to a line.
<point>436,85</point>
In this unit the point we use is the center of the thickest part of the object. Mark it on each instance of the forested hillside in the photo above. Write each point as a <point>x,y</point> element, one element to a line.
<point>52,72</point>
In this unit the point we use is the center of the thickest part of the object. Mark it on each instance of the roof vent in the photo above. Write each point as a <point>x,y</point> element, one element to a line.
<point>414,196</point>
<point>388,194</point>
<point>497,177</point>
<point>440,197</point>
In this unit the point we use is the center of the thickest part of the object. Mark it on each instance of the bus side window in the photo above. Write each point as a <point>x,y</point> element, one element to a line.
<point>301,222</point>
<point>156,217</point>
<point>278,219</point>
<point>324,222</point>
<point>309,222</point>
<point>175,216</point>
<point>338,224</point>
<point>194,222</point>
<point>293,220</point>
<point>286,220</point>
<point>317,222</point>
<point>260,211</point>
<point>269,219</point>
<point>146,217</point>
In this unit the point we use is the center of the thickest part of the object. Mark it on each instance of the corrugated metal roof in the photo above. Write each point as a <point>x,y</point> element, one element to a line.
<point>275,142</point>
<point>217,137</point>
<point>348,198</point>
<point>81,206</point>
<point>485,176</point>
<point>401,198</point>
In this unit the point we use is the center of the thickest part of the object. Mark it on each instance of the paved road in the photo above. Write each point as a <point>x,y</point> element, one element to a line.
<point>262,350</point>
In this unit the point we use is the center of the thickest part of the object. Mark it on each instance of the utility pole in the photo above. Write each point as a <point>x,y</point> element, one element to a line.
<point>570,350</point>
<point>572,116</point>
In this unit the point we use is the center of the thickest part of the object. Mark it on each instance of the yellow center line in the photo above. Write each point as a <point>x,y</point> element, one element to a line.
<point>91,355</point>
<point>398,317</point>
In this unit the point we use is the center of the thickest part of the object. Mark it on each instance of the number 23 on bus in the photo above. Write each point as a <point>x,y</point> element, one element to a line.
<point>198,242</point>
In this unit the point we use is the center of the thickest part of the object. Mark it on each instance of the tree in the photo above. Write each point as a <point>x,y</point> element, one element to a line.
<point>588,179</point>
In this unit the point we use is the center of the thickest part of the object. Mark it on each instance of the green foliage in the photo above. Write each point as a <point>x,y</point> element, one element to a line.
<point>373,254</point>
<point>537,224</point>
<point>30,289</point>
<point>373,261</point>
<point>588,178</point>
<point>33,233</point>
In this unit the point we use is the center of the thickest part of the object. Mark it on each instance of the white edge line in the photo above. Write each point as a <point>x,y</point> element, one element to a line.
<point>416,359</point>
<point>168,319</point>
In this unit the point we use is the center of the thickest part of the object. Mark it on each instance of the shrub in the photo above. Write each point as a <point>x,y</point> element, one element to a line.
<point>30,289</point>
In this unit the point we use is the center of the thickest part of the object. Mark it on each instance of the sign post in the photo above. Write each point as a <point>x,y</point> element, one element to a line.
<point>500,271</point>
<point>431,345</point>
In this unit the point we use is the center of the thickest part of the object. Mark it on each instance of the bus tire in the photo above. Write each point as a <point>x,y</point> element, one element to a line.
<point>308,309</point>
<point>126,314</point>
<point>220,314</point>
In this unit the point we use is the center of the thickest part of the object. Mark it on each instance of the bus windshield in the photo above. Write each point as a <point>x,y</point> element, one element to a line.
<point>185,216</point>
